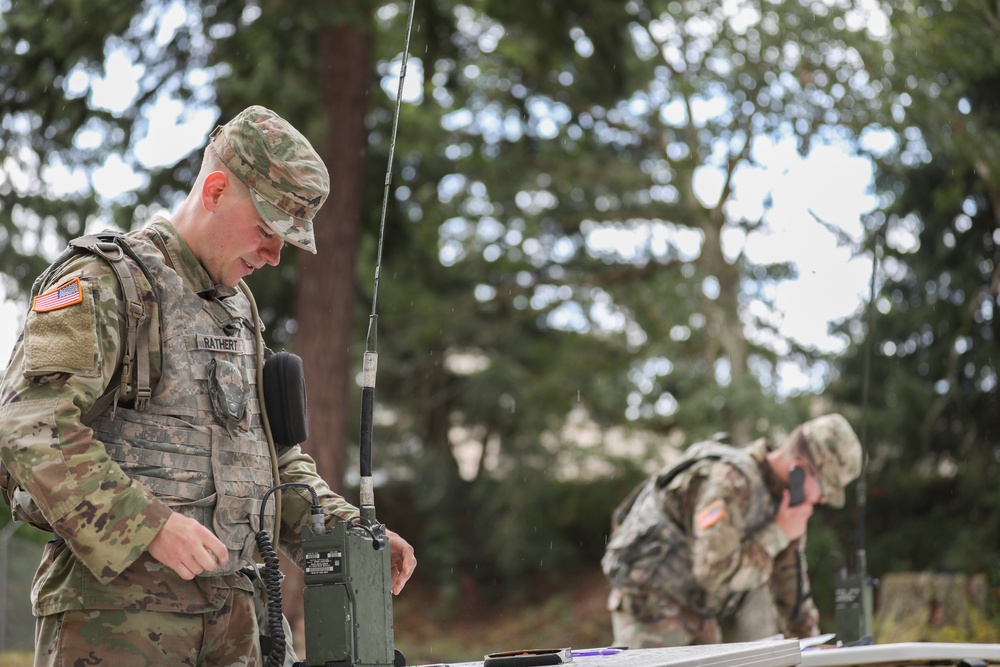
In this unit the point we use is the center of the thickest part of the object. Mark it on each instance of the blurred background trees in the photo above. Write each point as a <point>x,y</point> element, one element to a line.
<point>572,286</point>
<point>934,423</point>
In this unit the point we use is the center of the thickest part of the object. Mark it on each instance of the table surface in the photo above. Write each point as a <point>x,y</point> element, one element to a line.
<point>906,653</point>
<point>784,653</point>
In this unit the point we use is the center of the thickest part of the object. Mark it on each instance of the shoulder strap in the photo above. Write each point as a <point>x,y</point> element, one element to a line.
<point>112,248</point>
<point>661,481</point>
<point>664,480</point>
<point>705,451</point>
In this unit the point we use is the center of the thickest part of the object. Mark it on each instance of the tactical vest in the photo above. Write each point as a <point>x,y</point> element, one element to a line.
<point>649,554</point>
<point>197,442</point>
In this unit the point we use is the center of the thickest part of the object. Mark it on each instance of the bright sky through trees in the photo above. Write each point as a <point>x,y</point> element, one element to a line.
<point>790,192</point>
<point>829,183</point>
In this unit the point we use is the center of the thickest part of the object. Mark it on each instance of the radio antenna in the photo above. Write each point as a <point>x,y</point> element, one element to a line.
<point>370,364</point>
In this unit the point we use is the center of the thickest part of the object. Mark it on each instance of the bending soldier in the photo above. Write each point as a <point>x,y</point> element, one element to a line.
<point>718,529</point>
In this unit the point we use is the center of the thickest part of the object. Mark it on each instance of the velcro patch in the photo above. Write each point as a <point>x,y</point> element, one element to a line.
<point>63,339</point>
<point>711,515</point>
<point>67,294</point>
<point>219,344</point>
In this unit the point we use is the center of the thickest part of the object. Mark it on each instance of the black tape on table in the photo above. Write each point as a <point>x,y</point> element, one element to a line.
<point>532,657</point>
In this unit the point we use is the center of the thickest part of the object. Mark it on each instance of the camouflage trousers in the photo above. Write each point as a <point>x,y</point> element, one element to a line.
<point>645,623</point>
<point>119,638</point>
<point>641,622</point>
<point>755,618</point>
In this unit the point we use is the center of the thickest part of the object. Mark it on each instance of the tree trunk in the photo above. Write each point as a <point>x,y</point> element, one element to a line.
<point>324,300</point>
<point>724,330</point>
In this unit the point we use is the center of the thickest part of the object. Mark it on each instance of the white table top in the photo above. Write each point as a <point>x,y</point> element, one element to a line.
<point>908,653</point>
<point>783,653</point>
<point>786,653</point>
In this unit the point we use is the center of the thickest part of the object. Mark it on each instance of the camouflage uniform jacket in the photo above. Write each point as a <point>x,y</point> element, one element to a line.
<point>703,537</point>
<point>105,517</point>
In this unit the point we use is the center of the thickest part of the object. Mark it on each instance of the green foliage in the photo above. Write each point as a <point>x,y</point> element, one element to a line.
<point>514,325</point>
<point>559,526</point>
<point>541,133</point>
<point>932,341</point>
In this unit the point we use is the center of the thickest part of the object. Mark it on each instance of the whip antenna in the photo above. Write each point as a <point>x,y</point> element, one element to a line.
<point>853,603</point>
<point>370,364</point>
<point>862,489</point>
<point>348,570</point>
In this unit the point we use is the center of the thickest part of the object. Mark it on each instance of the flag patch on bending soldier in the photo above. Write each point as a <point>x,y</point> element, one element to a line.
<point>66,294</point>
<point>711,515</point>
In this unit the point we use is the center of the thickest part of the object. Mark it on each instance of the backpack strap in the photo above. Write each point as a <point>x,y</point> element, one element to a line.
<point>111,247</point>
<point>660,481</point>
<point>663,481</point>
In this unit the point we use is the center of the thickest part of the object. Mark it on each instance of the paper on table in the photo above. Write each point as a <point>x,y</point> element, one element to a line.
<point>811,642</point>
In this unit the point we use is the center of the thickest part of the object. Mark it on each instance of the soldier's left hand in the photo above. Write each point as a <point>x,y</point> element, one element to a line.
<point>402,560</point>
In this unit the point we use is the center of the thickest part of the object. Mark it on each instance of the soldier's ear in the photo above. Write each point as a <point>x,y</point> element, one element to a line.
<point>212,188</point>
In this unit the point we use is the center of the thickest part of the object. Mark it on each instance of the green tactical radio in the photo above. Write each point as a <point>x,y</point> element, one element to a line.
<point>348,577</point>
<point>347,599</point>
<point>347,570</point>
<point>853,609</point>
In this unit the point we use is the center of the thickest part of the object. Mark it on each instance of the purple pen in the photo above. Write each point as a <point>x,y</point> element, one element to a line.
<point>587,652</point>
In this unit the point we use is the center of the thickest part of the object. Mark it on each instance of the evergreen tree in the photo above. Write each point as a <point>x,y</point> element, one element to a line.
<point>519,339</point>
<point>508,315</point>
<point>933,424</point>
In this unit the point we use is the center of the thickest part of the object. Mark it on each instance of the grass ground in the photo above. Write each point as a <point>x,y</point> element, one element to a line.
<point>16,659</point>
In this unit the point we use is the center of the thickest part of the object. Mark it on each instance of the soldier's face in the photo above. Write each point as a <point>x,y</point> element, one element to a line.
<point>241,242</point>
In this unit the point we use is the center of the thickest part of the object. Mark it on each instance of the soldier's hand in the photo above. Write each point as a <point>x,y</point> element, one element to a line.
<point>402,560</point>
<point>793,520</point>
<point>187,547</point>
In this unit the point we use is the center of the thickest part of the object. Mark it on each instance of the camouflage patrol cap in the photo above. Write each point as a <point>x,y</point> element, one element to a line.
<point>836,452</point>
<point>287,179</point>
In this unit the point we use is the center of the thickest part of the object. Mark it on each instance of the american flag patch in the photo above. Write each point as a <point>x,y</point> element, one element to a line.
<point>60,297</point>
<point>711,515</point>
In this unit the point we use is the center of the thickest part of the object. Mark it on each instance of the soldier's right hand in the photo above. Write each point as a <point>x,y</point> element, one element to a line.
<point>793,520</point>
<point>187,547</point>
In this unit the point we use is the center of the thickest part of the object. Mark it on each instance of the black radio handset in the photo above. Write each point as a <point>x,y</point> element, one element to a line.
<point>796,485</point>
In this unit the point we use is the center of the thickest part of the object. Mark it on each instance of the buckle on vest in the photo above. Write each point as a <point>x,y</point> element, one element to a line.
<point>136,311</point>
<point>109,250</point>
<point>126,372</point>
<point>142,396</point>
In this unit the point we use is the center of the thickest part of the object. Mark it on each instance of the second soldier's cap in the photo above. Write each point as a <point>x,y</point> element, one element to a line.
<point>287,178</point>
<point>836,452</point>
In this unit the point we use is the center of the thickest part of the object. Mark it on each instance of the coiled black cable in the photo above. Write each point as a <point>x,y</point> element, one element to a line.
<point>272,584</point>
<point>271,575</point>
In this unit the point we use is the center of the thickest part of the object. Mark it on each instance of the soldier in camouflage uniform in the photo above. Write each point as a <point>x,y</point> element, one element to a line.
<point>153,502</point>
<point>700,536</point>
